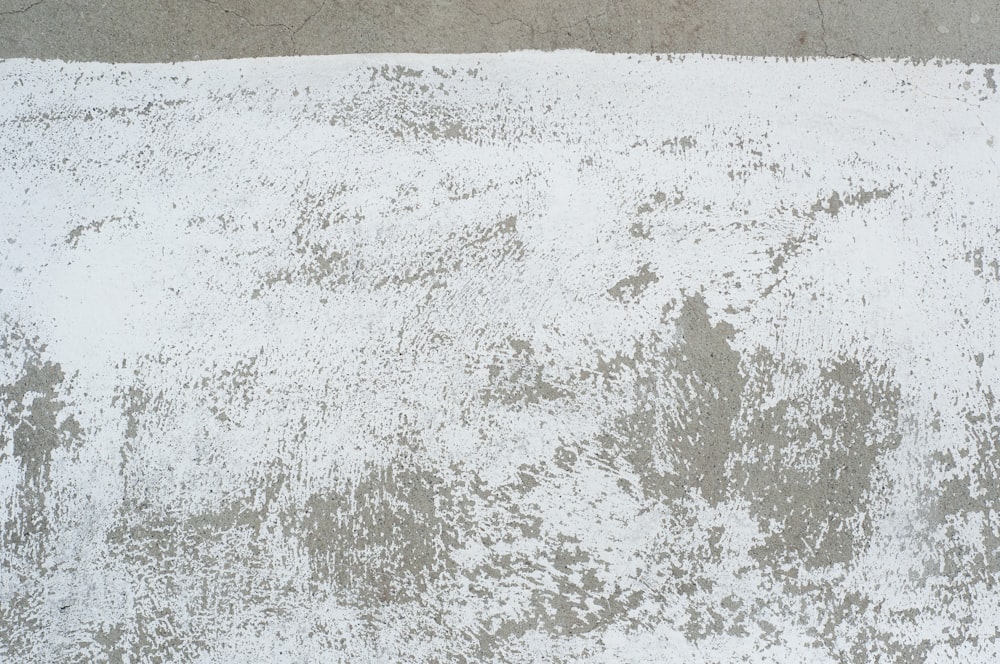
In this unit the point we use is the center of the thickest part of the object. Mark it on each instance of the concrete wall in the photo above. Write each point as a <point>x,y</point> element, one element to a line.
<point>514,358</point>
<point>173,30</point>
<point>520,357</point>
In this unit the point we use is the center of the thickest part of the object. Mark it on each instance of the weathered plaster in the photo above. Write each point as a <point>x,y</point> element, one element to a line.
<point>524,357</point>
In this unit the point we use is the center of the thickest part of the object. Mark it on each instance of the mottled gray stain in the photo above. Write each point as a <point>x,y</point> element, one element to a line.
<point>834,202</point>
<point>209,556</point>
<point>423,109</point>
<point>707,388</point>
<point>687,395</point>
<point>809,464</point>
<point>73,239</point>
<point>639,230</point>
<point>36,429</point>
<point>381,539</point>
<point>444,129</point>
<point>631,288</point>
<point>968,496</point>
<point>581,602</point>
<point>476,246</point>
<point>396,73</point>
<point>516,378</point>
<point>809,461</point>
<point>678,144</point>
<point>698,426</point>
<point>133,401</point>
<point>557,578</point>
<point>34,426</point>
<point>168,555</point>
<point>989,269</point>
<point>212,559</point>
<point>790,248</point>
<point>660,200</point>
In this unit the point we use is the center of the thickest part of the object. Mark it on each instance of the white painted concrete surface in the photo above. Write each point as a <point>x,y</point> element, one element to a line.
<point>522,357</point>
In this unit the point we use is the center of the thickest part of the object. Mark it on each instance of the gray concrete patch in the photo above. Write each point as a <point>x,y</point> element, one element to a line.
<point>174,30</point>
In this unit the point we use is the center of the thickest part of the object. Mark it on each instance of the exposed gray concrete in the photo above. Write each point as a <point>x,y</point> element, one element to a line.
<point>169,30</point>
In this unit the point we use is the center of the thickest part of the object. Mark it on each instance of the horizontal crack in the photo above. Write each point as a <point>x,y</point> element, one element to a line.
<point>22,10</point>
<point>243,18</point>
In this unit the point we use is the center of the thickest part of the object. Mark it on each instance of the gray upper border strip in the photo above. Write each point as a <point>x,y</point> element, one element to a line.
<point>174,30</point>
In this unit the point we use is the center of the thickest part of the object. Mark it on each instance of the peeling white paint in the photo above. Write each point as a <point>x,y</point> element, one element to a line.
<point>518,357</point>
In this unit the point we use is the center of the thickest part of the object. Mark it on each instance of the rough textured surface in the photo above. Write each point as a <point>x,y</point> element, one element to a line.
<point>175,30</point>
<point>532,357</point>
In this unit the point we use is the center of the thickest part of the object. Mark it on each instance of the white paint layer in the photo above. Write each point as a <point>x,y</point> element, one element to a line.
<point>522,357</point>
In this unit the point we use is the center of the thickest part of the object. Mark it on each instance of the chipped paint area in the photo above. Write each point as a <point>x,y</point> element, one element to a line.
<point>526,357</point>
